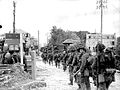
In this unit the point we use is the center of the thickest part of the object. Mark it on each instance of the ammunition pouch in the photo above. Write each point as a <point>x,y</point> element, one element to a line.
<point>101,78</point>
<point>86,72</point>
<point>110,75</point>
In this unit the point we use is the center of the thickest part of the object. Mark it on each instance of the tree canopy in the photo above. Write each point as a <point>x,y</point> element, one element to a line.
<point>58,35</point>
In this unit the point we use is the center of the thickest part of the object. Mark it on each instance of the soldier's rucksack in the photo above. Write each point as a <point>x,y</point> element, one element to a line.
<point>110,59</point>
<point>85,64</point>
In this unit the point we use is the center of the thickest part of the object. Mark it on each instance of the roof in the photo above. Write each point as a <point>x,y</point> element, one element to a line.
<point>70,41</point>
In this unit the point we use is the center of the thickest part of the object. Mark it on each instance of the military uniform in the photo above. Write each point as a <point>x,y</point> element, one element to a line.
<point>61,55</point>
<point>64,60</point>
<point>81,71</point>
<point>50,58</point>
<point>59,59</point>
<point>84,70</point>
<point>76,63</point>
<point>55,58</point>
<point>7,58</point>
<point>98,67</point>
<point>110,67</point>
<point>103,75</point>
<point>103,69</point>
<point>71,67</point>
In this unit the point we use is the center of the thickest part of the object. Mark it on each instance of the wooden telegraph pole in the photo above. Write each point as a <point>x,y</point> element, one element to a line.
<point>21,36</point>
<point>101,18</point>
<point>14,5</point>
<point>38,43</point>
<point>101,5</point>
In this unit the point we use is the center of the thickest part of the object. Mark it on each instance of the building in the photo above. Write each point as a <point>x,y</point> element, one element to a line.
<point>109,40</point>
<point>82,36</point>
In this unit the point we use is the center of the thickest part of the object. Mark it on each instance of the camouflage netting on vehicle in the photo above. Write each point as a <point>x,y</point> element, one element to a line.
<point>15,78</point>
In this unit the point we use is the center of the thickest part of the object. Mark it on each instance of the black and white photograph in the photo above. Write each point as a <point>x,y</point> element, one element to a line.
<point>59,44</point>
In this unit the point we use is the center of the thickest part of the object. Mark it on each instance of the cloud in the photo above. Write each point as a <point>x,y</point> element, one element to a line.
<point>87,13</point>
<point>62,19</point>
<point>69,0</point>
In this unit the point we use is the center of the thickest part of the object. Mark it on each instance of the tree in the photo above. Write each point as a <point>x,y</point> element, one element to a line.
<point>58,35</point>
<point>82,36</point>
<point>71,35</point>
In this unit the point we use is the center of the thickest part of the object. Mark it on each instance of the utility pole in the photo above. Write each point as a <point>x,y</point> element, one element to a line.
<point>38,43</point>
<point>14,5</point>
<point>101,6</point>
<point>101,18</point>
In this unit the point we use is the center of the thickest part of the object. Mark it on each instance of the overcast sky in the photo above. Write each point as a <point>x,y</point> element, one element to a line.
<point>74,15</point>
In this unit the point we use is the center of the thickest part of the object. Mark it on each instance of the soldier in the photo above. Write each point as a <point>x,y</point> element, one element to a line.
<point>44,56</point>
<point>110,67</point>
<point>7,58</point>
<point>83,72</point>
<point>56,59</point>
<point>61,56</point>
<point>17,59</point>
<point>70,65</point>
<point>64,60</point>
<point>99,67</point>
<point>76,63</point>
<point>50,58</point>
<point>59,59</point>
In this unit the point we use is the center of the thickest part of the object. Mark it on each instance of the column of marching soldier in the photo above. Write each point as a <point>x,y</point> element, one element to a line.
<point>82,65</point>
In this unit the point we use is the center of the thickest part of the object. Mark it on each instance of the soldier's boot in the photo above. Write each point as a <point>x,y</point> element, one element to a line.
<point>64,68</point>
<point>71,80</point>
<point>79,87</point>
<point>71,83</point>
<point>49,63</point>
<point>52,63</point>
<point>59,65</point>
<point>56,64</point>
<point>75,78</point>
<point>108,84</point>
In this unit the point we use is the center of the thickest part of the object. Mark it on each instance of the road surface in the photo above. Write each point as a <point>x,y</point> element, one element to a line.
<point>57,79</point>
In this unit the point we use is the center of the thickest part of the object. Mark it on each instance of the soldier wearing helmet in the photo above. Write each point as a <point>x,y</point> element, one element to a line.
<point>7,58</point>
<point>65,57</point>
<point>77,63</point>
<point>110,67</point>
<point>71,50</point>
<point>83,71</point>
<point>99,67</point>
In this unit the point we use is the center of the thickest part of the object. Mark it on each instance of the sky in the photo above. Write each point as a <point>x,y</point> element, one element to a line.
<point>73,15</point>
